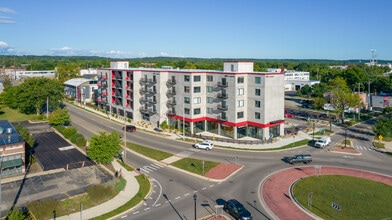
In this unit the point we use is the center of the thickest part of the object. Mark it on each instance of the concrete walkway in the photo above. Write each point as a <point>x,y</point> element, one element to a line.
<point>130,190</point>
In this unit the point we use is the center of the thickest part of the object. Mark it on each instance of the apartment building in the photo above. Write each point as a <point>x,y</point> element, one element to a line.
<point>236,102</point>
<point>12,150</point>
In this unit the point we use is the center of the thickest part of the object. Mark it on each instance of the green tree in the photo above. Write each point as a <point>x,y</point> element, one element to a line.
<point>7,82</point>
<point>318,102</point>
<point>319,89</point>
<point>341,96</point>
<point>306,90</point>
<point>16,214</point>
<point>32,95</point>
<point>383,127</point>
<point>65,72</point>
<point>104,147</point>
<point>25,134</point>
<point>59,117</point>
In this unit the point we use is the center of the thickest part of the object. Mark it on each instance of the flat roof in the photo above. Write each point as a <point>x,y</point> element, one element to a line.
<point>8,134</point>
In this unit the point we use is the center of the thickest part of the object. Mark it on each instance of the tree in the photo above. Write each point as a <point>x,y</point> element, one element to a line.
<point>104,147</point>
<point>32,95</point>
<point>383,127</point>
<point>25,134</point>
<point>65,72</point>
<point>7,82</point>
<point>341,96</point>
<point>59,117</point>
<point>17,214</point>
<point>306,90</point>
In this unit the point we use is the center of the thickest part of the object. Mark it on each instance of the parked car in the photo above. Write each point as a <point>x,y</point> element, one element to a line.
<point>237,210</point>
<point>130,128</point>
<point>287,114</point>
<point>204,145</point>
<point>323,142</point>
<point>299,158</point>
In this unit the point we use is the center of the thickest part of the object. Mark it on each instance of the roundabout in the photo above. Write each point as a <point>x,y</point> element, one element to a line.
<point>276,188</point>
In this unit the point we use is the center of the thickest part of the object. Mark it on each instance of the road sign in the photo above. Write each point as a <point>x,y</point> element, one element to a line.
<point>336,206</point>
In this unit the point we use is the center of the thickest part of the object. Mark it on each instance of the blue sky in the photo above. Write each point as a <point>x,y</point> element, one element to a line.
<point>260,29</point>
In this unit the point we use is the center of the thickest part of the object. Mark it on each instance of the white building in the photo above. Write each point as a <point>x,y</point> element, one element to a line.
<point>235,102</point>
<point>16,75</point>
<point>295,80</point>
<point>83,90</point>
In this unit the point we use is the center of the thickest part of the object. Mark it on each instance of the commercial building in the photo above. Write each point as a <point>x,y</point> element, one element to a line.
<point>81,89</point>
<point>12,150</point>
<point>236,102</point>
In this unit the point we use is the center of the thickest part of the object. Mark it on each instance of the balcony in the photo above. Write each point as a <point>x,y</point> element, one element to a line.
<point>143,91</point>
<point>171,103</point>
<point>222,96</point>
<point>223,84</point>
<point>171,112</point>
<point>104,93</point>
<point>146,110</point>
<point>104,77</point>
<point>152,81</point>
<point>143,100</point>
<point>152,101</point>
<point>222,107</point>
<point>99,99</point>
<point>171,92</point>
<point>221,118</point>
<point>152,91</point>
<point>171,82</point>
<point>99,84</point>
<point>143,81</point>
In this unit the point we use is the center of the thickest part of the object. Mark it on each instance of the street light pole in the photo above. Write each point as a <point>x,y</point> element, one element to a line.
<point>313,131</point>
<point>183,125</point>
<point>345,136</point>
<point>194,198</point>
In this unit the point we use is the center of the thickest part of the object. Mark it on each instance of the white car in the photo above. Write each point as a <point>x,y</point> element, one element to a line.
<point>204,145</point>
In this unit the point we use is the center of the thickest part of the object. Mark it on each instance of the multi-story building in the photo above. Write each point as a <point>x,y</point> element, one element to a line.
<point>235,102</point>
<point>12,150</point>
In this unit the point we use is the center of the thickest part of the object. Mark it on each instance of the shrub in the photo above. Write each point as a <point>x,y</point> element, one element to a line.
<point>78,139</point>
<point>69,131</point>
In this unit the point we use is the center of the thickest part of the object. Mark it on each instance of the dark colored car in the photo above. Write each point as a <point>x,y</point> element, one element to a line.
<point>299,158</point>
<point>237,210</point>
<point>130,128</point>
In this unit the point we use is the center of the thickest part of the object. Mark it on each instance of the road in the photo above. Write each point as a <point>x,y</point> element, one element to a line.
<point>172,194</point>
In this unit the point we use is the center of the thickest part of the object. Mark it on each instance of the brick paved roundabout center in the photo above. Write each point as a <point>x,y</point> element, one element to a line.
<point>275,190</point>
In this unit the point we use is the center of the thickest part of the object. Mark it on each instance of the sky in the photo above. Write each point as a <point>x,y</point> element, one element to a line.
<point>258,29</point>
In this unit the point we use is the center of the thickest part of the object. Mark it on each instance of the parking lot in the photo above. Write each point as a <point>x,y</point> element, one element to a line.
<point>54,153</point>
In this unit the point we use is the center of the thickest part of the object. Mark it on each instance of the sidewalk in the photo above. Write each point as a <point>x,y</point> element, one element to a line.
<point>130,190</point>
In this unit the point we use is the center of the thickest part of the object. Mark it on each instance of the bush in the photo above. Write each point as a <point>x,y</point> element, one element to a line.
<point>78,139</point>
<point>68,132</point>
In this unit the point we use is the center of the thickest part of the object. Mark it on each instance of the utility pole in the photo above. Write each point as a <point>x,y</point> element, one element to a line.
<point>359,107</point>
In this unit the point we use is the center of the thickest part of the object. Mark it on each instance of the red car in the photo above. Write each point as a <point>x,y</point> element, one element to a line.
<point>130,128</point>
<point>288,115</point>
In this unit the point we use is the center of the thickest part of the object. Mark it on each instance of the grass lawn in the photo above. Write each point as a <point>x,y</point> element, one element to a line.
<point>13,115</point>
<point>195,165</point>
<point>358,198</point>
<point>149,152</point>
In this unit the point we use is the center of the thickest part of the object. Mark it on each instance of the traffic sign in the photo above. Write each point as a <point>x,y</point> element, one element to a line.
<point>335,206</point>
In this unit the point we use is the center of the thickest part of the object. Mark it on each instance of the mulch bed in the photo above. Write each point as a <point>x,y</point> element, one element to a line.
<point>222,171</point>
<point>344,150</point>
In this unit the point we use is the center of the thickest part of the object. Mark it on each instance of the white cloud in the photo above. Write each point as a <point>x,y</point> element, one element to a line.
<point>3,44</point>
<point>5,19</point>
<point>6,49</point>
<point>7,11</point>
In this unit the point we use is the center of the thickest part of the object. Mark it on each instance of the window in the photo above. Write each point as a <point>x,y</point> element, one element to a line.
<point>257,115</point>
<point>187,100</point>
<point>197,100</point>
<point>210,100</point>
<point>258,92</point>
<point>210,78</point>
<point>210,89</point>
<point>257,80</point>
<point>186,89</point>
<point>196,78</point>
<point>196,89</point>
<point>210,110</point>
<point>240,91</point>
<point>196,111</point>
<point>232,68</point>
<point>257,104</point>
<point>240,103</point>
<point>187,111</point>
<point>240,114</point>
<point>187,78</point>
<point>240,80</point>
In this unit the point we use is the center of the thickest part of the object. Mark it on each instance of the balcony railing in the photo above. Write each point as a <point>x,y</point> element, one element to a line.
<point>223,84</point>
<point>171,82</point>
<point>152,101</point>
<point>152,91</point>
<point>152,81</point>
<point>222,107</point>
<point>171,103</point>
<point>222,96</point>
<point>143,100</point>
<point>171,92</point>
<point>143,81</point>
<point>171,112</point>
<point>143,91</point>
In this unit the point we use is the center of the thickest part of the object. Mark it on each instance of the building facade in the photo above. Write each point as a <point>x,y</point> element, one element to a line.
<point>12,150</point>
<point>236,102</point>
<point>81,89</point>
